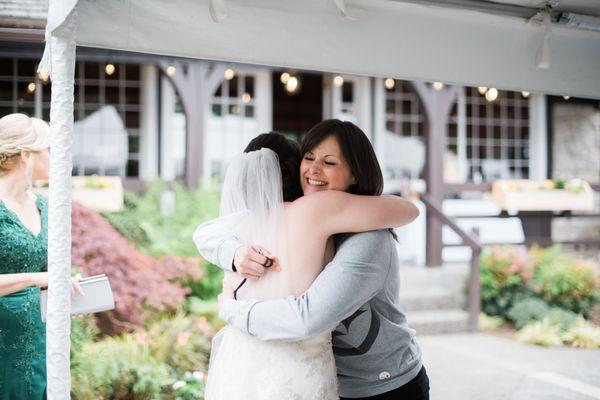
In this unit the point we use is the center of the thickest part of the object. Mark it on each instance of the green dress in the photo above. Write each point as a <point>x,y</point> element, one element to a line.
<point>22,332</point>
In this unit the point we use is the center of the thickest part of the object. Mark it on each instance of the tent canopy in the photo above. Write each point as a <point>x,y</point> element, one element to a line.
<point>378,38</point>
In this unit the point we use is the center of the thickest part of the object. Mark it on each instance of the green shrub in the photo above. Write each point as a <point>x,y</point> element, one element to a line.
<point>207,308</point>
<point>503,279</point>
<point>526,311</point>
<point>564,319</point>
<point>117,368</point>
<point>594,314</point>
<point>181,342</point>
<point>190,386</point>
<point>143,223</point>
<point>154,233</point>
<point>567,282</point>
<point>509,275</point>
<point>83,330</point>
<point>164,361</point>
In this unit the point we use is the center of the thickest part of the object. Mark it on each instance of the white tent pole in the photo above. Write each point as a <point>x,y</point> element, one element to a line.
<point>61,64</point>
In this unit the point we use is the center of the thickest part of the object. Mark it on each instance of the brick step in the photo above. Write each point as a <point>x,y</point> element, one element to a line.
<point>427,322</point>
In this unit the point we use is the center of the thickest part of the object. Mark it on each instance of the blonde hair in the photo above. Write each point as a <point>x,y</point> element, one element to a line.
<point>19,133</point>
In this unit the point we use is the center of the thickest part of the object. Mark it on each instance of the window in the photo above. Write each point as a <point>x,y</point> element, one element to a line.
<point>497,135</point>
<point>107,111</point>
<point>403,139</point>
<point>403,114</point>
<point>235,97</point>
<point>107,115</point>
<point>18,85</point>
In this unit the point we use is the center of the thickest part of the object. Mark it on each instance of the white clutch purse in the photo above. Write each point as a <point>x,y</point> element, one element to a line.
<point>98,297</point>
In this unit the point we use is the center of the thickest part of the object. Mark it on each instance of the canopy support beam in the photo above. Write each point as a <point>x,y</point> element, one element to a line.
<point>437,104</point>
<point>195,88</point>
<point>61,60</point>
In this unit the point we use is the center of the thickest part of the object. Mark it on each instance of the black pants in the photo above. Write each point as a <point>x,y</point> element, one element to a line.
<point>416,389</point>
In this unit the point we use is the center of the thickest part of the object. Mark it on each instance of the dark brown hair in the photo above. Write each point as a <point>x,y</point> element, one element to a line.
<point>288,153</point>
<point>357,151</point>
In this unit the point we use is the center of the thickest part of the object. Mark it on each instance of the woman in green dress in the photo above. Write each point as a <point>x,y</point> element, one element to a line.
<point>24,155</point>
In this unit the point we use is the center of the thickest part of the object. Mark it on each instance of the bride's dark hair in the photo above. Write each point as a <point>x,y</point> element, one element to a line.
<point>288,153</point>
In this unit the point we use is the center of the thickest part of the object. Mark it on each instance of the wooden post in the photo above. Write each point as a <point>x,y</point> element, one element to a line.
<point>194,88</point>
<point>437,104</point>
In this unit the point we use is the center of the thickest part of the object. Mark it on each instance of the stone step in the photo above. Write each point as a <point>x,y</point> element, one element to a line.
<point>431,299</point>
<point>427,322</point>
<point>448,277</point>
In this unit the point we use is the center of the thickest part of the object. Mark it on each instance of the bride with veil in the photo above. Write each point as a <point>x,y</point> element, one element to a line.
<point>299,233</point>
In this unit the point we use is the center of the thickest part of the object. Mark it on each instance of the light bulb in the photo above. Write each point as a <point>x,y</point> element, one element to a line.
<point>171,70</point>
<point>109,69</point>
<point>246,97</point>
<point>566,97</point>
<point>389,83</point>
<point>284,77</point>
<point>229,74</point>
<point>437,85</point>
<point>525,94</point>
<point>292,85</point>
<point>482,90</point>
<point>491,94</point>
<point>31,87</point>
<point>338,80</point>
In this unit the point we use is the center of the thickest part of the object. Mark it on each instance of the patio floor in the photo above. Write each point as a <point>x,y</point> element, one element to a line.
<point>482,366</point>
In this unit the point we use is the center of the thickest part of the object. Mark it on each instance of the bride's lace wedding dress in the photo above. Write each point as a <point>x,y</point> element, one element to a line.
<point>248,368</point>
<point>241,366</point>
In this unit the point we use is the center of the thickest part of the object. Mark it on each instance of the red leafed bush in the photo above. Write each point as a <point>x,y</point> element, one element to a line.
<point>140,282</point>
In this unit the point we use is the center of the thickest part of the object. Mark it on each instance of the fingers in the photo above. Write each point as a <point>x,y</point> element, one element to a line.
<point>75,286</point>
<point>252,262</point>
<point>263,257</point>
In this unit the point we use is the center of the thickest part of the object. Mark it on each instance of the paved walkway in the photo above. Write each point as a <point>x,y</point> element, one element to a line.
<point>486,367</point>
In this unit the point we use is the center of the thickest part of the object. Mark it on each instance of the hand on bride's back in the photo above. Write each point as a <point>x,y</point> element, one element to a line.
<point>252,262</point>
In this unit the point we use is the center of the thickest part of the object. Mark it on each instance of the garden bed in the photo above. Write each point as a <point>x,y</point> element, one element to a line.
<point>541,296</point>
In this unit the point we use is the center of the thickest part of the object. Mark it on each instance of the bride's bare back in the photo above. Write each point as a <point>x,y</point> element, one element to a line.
<point>309,222</point>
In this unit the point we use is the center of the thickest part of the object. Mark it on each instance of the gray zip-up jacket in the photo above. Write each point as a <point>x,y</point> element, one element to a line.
<point>375,350</point>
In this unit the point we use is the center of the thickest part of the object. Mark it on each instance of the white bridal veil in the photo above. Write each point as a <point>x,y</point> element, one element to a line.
<point>252,196</point>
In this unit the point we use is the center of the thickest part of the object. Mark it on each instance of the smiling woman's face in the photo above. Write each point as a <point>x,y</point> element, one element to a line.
<point>325,168</point>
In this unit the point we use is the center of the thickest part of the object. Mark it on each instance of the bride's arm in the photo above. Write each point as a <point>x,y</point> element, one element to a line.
<point>218,244</point>
<point>338,211</point>
<point>216,241</point>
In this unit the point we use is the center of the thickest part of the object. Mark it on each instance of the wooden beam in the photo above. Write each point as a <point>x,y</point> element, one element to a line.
<point>437,104</point>
<point>195,83</point>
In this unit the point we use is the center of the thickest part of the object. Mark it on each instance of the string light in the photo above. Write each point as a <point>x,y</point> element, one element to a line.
<point>109,69</point>
<point>171,70</point>
<point>437,85</point>
<point>284,77</point>
<point>292,85</point>
<point>491,94</point>
<point>389,83</point>
<point>246,97</point>
<point>525,94</point>
<point>229,74</point>
<point>31,87</point>
<point>566,97</point>
<point>482,90</point>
